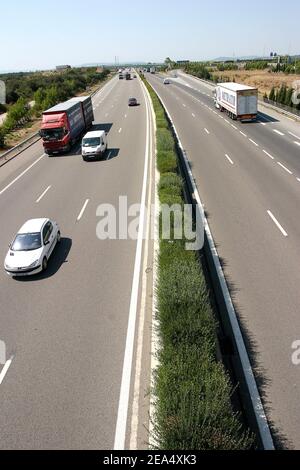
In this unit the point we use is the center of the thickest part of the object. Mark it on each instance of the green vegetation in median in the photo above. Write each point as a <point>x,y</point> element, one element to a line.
<point>192,390</point>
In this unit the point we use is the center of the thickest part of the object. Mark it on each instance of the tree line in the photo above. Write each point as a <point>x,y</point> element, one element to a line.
<point>284,95</point>
<point>45,90</point>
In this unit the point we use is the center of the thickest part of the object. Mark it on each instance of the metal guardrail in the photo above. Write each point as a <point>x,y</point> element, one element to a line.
<point>239,359</point>
<point>13,152</point>
<point>283,107</point>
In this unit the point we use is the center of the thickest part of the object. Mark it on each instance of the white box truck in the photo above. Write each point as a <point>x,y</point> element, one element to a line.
<point>239,101</point>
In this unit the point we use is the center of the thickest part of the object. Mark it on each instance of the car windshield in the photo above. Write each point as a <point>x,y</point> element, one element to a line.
<point>52,134</point>
<point>27,242</point>
<point>91,142</point>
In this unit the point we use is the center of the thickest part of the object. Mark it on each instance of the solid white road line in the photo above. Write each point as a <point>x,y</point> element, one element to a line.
<point>120,130</point>
<point>297,143</point>
<point>278,132</point>
<point>243,133</point>
<point>254,143</point>
<point>5,369</point>
<point>267,153</point>
<point>294,135</point>
<point>226,120</point>
<point>22,174</point>
<point>263,123</point>
<point>120,433</point>
<point>285,168</point>
<point>83,209</point>
<point>284,233</point>
<point>206,130</point>
<point>234,127</point>
<point>228,158</point>
<point>43,194</point>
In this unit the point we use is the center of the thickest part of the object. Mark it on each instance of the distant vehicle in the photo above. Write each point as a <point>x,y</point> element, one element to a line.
<point>132,102</point>
<point>239,101</point>
<point>152,69</point>
<point>127,76</point>
<point>63,124</point>
<point>166,81</point>
<point>94,145</point>
<point>134,76</point>
<point>32,247</point>
<point>121,76</point>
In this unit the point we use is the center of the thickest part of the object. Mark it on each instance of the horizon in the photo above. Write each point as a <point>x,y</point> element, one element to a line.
<point>131,36</point>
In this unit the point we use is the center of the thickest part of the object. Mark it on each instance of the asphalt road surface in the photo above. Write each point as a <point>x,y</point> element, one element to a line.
<point>66,329</point>
<point>248,176</point>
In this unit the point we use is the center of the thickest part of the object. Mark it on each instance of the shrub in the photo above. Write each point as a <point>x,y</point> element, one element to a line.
<point>166,161</point>
<point>170,183</point>
<point>164,140</point>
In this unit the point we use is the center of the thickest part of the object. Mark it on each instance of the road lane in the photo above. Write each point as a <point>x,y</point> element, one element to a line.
<point>67,328</point>
<point>260,263</point>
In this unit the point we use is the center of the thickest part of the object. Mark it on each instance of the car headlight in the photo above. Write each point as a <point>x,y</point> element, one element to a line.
<point>35,263</point>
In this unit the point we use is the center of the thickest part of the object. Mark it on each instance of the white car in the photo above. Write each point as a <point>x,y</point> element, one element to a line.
<point>166,81</point>
<point>32,247</point>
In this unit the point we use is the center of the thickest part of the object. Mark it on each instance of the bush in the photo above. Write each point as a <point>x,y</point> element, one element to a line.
<point>165,141</point>
<point>170,198</point>
<point>161,124</point>
<point>2,137</point>
<point>170,183</point>
<point>166,161</point>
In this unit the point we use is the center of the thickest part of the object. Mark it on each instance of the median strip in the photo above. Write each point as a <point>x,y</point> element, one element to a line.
<point>192,391</point>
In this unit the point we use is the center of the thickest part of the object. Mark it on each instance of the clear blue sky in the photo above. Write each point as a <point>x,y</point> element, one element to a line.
<point>41,34</point>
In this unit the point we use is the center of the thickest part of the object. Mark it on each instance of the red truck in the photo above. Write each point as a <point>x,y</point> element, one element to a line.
<point>64,124</point>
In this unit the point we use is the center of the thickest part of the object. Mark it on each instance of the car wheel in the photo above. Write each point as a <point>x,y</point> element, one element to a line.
<point>58,237</point>
<point>44,264</point>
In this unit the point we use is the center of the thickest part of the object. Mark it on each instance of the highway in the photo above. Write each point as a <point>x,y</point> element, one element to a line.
<point>66,329</point>
<point>248,177</point>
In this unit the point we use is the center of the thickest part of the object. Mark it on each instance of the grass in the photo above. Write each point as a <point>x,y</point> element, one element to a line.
<point>261,79</point>
<point>192,390</point>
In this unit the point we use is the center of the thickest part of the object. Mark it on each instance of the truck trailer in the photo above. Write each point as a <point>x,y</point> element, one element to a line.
<point>63,124</point>
<point>239,101</point>
<point>87,109</point>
